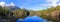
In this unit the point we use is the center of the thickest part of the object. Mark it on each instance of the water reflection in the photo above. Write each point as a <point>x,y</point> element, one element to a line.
<point>19,20</point>
<point>32,19</point>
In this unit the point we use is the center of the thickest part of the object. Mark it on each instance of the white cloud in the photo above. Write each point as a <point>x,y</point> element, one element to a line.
<point>58,4</point>
<point>12,4</point>
<point>2,3</point>
<point>51,0</point>
<point>53,3</point>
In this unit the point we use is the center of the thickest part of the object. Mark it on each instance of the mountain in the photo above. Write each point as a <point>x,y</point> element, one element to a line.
<point>13,7</point>
<point>10,7</point>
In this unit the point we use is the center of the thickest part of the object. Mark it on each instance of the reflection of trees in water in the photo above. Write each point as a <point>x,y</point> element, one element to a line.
<point>7,16</point>
<point>59,15</point>
<point>28,13</point>
<point>54,20</point>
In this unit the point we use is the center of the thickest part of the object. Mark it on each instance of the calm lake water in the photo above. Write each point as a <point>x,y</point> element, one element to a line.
<point>32,19</point>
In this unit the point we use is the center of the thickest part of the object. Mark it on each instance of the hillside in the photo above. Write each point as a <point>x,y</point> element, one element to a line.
<point>17,12</point>
<point>22,13</point>
<point>52,14</point>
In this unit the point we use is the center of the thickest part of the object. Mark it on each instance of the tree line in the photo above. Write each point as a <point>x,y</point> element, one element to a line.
<point>22,13</point>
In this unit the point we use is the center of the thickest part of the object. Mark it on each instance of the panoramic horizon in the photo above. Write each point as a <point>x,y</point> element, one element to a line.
<point>32,4</point>
<point>29,10</point>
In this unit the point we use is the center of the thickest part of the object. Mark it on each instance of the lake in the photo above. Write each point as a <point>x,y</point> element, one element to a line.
<point>32,19</point>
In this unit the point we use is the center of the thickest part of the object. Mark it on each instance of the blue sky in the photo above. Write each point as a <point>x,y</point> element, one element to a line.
<point>33,4</point>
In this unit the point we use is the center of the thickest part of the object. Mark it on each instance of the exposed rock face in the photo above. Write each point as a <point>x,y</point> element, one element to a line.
<point>55,15</point>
